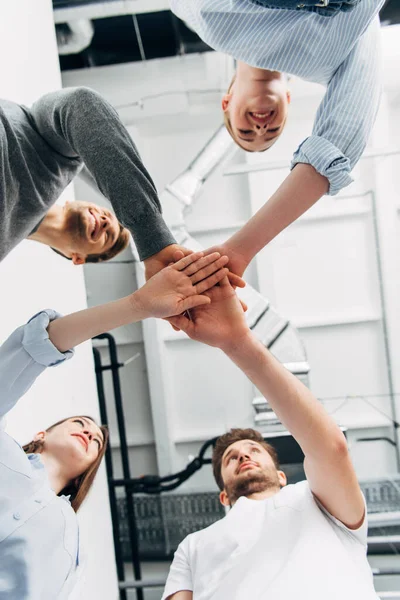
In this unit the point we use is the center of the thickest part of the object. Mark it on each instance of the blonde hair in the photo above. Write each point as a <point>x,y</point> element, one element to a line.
<point>79,488</point>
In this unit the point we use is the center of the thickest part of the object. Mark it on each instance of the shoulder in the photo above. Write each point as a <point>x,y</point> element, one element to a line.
<point>192,541</point>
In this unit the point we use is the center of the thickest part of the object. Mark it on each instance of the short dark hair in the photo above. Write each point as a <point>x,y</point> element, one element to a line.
<point>229,438</point>
<point>120,245</point>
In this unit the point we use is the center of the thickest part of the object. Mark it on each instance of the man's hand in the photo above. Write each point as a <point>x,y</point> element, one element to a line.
<point>180,286</point>
<point>165,257</point>
<point>221,323</point>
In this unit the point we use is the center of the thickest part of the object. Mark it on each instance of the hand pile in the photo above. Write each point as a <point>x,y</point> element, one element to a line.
<point>179,280</point>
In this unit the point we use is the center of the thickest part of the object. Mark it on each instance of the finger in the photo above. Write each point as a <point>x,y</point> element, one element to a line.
<point>187,260</point>
<point>179,322</point>
<point>236,281</point>
<point>199,264</point>
<point>193,302</point>
<point>225,281</point>
<point>178,254</point>
<point>208,283</point>
<point>209,270</point>
<point>244,306</point>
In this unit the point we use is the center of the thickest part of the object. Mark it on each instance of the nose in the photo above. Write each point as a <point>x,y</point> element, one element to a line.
<point>105,221</point>
<point>244,456</point>
<point>261,129</point>
<point>88,434</point>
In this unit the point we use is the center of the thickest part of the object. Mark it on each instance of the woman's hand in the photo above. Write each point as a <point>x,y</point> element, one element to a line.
<point>179,287</point>
<point>237,262</point>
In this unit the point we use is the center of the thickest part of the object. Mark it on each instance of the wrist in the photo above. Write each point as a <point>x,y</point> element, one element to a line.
<point>239,344</point>
<point>137,306</point>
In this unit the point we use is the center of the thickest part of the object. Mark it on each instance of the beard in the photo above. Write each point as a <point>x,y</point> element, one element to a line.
<point>76,224</point>
<point>251,483</point>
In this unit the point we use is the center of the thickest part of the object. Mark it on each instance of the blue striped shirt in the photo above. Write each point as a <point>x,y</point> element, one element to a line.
<point>340,52</point>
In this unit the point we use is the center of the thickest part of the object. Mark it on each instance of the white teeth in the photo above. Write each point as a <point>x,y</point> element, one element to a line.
<point>261,115</point>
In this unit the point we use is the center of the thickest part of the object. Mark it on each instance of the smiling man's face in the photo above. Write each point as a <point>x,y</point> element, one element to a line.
<point>248,468</point>
<point>92,229</point>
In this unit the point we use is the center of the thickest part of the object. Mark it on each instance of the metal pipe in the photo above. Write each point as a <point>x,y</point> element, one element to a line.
<point>146,583</point>
<point>133,533</point>
<point>110,472</point>
<point>388,356</point>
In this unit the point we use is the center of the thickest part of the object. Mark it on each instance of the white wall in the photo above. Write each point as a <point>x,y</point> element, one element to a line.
<point>32,278</point>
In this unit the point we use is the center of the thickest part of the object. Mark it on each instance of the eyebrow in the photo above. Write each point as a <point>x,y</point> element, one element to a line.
<point>252,445</point>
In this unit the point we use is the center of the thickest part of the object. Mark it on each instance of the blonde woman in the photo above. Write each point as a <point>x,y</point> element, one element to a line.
<point>331,42</point>
<point>43,484</point>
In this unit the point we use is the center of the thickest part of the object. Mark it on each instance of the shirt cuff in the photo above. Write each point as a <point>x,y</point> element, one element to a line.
<point>36,340</point>
<point>151,235</point>
<point>328,160</point>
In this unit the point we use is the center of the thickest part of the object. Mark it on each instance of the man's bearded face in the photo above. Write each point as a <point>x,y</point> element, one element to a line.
<point>247,468</point>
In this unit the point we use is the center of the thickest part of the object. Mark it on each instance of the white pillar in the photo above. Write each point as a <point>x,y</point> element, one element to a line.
<point>32,278</point>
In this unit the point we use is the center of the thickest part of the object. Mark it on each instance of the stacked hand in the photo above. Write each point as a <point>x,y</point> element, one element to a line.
<point>190,283</point>
<point>220,323</point>
<point>237,264</point>
<point>180,286</point>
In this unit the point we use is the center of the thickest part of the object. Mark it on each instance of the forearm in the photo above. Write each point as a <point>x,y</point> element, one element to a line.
<point>73,329</point>
<point>303,187</point>
<point>294,404</point>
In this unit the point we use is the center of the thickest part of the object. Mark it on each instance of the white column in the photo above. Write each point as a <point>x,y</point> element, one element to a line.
<point>32,278</point>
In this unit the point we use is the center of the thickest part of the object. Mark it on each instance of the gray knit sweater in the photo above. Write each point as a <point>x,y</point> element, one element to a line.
<point>43,148</point>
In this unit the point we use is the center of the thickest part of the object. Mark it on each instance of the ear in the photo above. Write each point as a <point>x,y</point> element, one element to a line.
<point>282,478</point>
<point>225,102</point>
<point>223,498</point>
<point>39,436</point>
<point>288,96</point>
<point>78,259</point>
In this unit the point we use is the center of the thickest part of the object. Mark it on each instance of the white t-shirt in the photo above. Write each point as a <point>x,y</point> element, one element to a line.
<point>283,548</point>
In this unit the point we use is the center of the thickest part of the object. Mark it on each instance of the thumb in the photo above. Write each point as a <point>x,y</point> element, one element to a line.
<point>194,301</point>
<point>180,323</point>
<point>177,255</point>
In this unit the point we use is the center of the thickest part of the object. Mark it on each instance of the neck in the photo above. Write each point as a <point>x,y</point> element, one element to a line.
<point>246,72</point>
<point>57,475</point>
<point>51,229</point>
<point>263,495</point>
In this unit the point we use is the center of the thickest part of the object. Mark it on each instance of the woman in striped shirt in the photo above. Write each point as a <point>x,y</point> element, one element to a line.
<point>331,43</point>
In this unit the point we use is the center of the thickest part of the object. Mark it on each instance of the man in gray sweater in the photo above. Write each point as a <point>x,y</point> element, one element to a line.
<point>41,151</point>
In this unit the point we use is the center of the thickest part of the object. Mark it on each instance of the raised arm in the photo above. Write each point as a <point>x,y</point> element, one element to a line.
<point>47,339</point>
<point>324,161</point>
<point>327,462</point>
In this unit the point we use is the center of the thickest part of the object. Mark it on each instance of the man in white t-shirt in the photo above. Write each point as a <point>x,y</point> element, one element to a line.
<point>278,542</point>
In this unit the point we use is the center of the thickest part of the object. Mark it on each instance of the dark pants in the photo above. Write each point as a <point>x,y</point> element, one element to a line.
<point>331,9</point>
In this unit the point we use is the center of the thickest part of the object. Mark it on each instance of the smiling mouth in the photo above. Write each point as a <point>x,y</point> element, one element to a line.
<point>262,117</point>
<point>94,225</point>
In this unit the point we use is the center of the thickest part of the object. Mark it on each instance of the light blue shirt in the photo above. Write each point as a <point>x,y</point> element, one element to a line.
<point>340,52</point>
<point>39,537</point>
